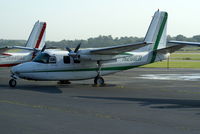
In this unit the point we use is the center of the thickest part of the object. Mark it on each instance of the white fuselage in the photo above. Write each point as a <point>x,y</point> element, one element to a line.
<point>11,59</point>
<point>86,69</point>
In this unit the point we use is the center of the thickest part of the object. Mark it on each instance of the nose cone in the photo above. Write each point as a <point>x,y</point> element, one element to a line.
<point>21,68</point>
<point>24,70</point>
<point>16,69</point>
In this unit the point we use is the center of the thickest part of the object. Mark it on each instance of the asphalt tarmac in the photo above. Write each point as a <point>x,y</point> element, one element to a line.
<point>138,101</point>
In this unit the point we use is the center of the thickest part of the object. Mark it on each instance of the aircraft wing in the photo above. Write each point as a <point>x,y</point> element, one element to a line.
<point>23,48</point>
<point>114,50</point>
<point>17,49</point>
<point>3,55</point>
<point>3,52</point>
<point>170,49</point>
<point>7,51</point>
<point>184,43</point>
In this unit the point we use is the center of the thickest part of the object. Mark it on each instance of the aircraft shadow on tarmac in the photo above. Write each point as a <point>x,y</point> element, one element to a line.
<point>51,88</point>
<point>161,103</point>
<point>41,88</point>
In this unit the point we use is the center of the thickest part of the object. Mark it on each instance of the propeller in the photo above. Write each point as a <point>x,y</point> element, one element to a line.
<point>36,51</point>
<point>77,48</point>
<point>74,54</point>
<point>68,49</point>
<point>44,47</point>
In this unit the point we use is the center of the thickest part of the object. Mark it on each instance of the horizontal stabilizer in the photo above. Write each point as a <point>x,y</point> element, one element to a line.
<point>184,43</point>
<point>170,49</point>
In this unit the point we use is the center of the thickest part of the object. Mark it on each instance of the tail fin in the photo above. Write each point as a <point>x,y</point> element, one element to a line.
<point>157,32</point>
<point>37,36</point>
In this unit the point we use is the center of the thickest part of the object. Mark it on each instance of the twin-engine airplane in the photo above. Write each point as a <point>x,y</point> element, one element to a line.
<point>65,66</point>
<point>14,55</point>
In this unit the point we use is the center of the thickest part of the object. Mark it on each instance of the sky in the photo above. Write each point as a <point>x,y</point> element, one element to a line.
<point>82,19</point>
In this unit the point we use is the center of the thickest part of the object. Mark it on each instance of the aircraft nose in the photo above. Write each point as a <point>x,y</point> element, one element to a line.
<point>15,70</point>
<point>20,69</point>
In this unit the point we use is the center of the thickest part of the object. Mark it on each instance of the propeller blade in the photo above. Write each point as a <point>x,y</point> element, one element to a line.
<point>68,49</point>
<point>77,48</point>
<point>43,48</point>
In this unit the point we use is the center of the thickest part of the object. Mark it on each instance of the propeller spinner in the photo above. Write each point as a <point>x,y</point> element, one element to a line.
<point>74,54</point>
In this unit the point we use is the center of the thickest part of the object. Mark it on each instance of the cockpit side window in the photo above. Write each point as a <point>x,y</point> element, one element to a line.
<point>52,59</point>
<point>66,59</point>
<point>42,58</point>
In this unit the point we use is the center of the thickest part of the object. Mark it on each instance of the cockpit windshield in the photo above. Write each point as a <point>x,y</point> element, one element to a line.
<point>42,58</point>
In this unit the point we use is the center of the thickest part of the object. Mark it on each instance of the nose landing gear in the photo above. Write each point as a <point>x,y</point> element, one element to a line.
<point>12,83</point>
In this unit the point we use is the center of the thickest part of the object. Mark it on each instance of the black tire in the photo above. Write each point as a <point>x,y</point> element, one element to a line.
<point>64,82</point>
<point>98,81</point>
<point>12,83</point>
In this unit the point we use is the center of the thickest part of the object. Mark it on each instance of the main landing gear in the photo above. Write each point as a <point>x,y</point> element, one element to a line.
<point>64,82</point>
<point>98,80</point>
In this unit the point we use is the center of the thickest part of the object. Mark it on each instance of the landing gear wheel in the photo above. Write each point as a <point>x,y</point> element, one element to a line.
<point>64,82</point>
<point>99,81</point>
<point>12,83</point>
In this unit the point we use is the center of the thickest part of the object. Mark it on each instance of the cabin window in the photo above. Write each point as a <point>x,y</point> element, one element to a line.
<point>42,58</point>
<point>66,59</point>
<point>76,61</point>
<point>52,59</point>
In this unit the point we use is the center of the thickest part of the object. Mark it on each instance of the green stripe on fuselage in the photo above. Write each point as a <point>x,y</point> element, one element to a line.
<point>119,68</point>
<point>126,53</point>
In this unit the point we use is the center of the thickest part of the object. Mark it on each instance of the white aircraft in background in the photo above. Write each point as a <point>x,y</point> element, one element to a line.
<point>65,66</point>
<point>14,55</point>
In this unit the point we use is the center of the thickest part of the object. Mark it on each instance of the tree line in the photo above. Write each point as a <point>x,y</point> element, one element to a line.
<point>100,41</point>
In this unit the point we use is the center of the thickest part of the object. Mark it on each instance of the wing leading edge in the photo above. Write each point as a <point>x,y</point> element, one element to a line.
<point>115,50</point>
